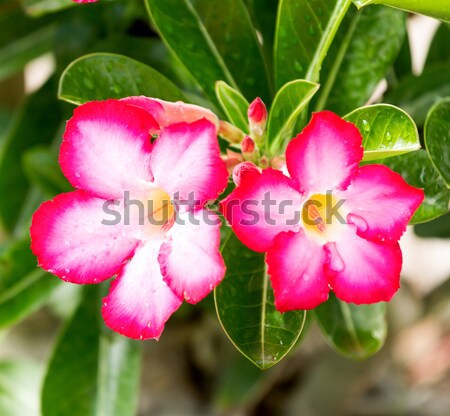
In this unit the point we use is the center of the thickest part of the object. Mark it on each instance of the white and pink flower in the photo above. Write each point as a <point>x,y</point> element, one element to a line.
<point>107,151</point>
<point>309,251</point>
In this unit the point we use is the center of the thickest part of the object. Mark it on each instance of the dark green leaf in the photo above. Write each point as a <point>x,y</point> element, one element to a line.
<point>357,331</point>
<point>36,123</point>
<point>437,138</point>
<point>357,64</point>
<point>289,102</point>
<point>387,131</point>
<point>230,28</point>
<point>304,33</point>
<point>101,75</point>
<point>416,94</point>
<point>438,228</point>
<point>93,372</point>
<point>439,50</point>
<point>403,63</point>
<point>418,170</point>
<point>439,9</point>
<point>184,33</point>
<point>244,304</point>
<point>42,169</point>
<point>234,105</point>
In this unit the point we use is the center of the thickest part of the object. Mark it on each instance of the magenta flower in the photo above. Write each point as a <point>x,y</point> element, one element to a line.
<point>330,224</point>
<point>138,210</point>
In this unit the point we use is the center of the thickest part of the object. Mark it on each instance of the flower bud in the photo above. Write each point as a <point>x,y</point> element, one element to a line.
<point>257,118</point>
<point>248,145</point>
<point>230,133</point>
<point>243,169</point>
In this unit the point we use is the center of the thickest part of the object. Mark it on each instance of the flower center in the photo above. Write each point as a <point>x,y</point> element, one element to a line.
<point>161,211</point>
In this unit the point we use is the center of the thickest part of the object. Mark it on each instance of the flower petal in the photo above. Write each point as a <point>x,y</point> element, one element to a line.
<point>186,159</point>
<point>264,205</point>
<point>326,154</point>
<point>362,271</point>
<point>296,269</point>
<point>167,113</point>
<point>190,261</point>
<point>139,302</point>
<point>106,148</point>
<point>380,203</point>
<point>70,240</point>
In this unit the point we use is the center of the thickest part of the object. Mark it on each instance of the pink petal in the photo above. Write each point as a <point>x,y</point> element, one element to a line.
<point>69,239</point>
<point>167,113</point>
<point>139,302</point>
<point>190,261</point>
<point>380,203</point>
<point>296,269</point>
<point>326,154</point>
<point>106,148</point>
<point>362,271</point>
<point>186,159</point>
<point>256,223</point>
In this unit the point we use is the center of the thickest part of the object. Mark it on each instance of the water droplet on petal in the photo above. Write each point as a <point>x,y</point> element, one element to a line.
<point>77,175</point>
<point>336,263</point>
<point>306,277</point>
<point>67,271</point>
<point>358,221</point>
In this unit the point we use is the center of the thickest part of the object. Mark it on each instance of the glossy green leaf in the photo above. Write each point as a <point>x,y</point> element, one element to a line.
<point>386,130</point>
<point>289,102</point>
<point>20,382</point>
<point>439,9</point>
<point>357,331</point>
<point>439,50</point>
<point>23,287</point>
<point>41,7</point>
<point>437,137</point>
<point>438,228</point>
<point>184,33</point>
<point>33,124</point>
<point>42,169</point>
<point>418,170</point>
<point>304,33</point>
<point>417,94</point>
<point>228,24</point>
<point>357,63</point>
<point>101,75</point>
<point>403,63</point>
<point>92,371</point>
<point>234,105</point>
<point>244,305</point>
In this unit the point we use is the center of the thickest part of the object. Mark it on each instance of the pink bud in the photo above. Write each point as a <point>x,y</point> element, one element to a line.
<point>244,169</point>
<point>257,117</point>
<point>248,145</point>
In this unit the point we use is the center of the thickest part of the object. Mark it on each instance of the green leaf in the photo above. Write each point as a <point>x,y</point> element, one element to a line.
<point>42,169</point>
<point>438,228</point>
<point>386,130</point>
<point>19,388</point>
<point>185,35</point>
<point>234,105</point>
<point>403,63</point>
<point>439,9</point>
<point>245,307</point>
<point>418,170</point>
<point>356,65</point>
<point>416,94</point>
<point>357,331</point>
<point>289,102</point>
<point>101,75</point>
<point>92,371</point>
<point>304,33</point>
<point>23,287</point>
<point>439,51</point>
<point>437,138</point>
<point>35,123</point>
<point>229,25</point>
<point>40,7</point>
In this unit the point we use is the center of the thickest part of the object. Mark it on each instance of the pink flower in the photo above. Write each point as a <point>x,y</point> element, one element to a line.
<point>130,214</point>
<point>330,224</point>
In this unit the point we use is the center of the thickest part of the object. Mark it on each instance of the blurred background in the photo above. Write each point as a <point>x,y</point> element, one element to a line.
<point>194,369</point>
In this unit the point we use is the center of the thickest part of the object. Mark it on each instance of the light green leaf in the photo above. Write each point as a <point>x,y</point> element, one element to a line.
<point>357,331</point>
<point>102,75</point>
<point>289,102</point>
<point>439,9</point>
<point>437,138</point>
<point>40,7</point>
<point>245,307</point>
<point>386,130</point>
<point>94,372</point>
<point>234,105</point>
<point>304,33</point>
